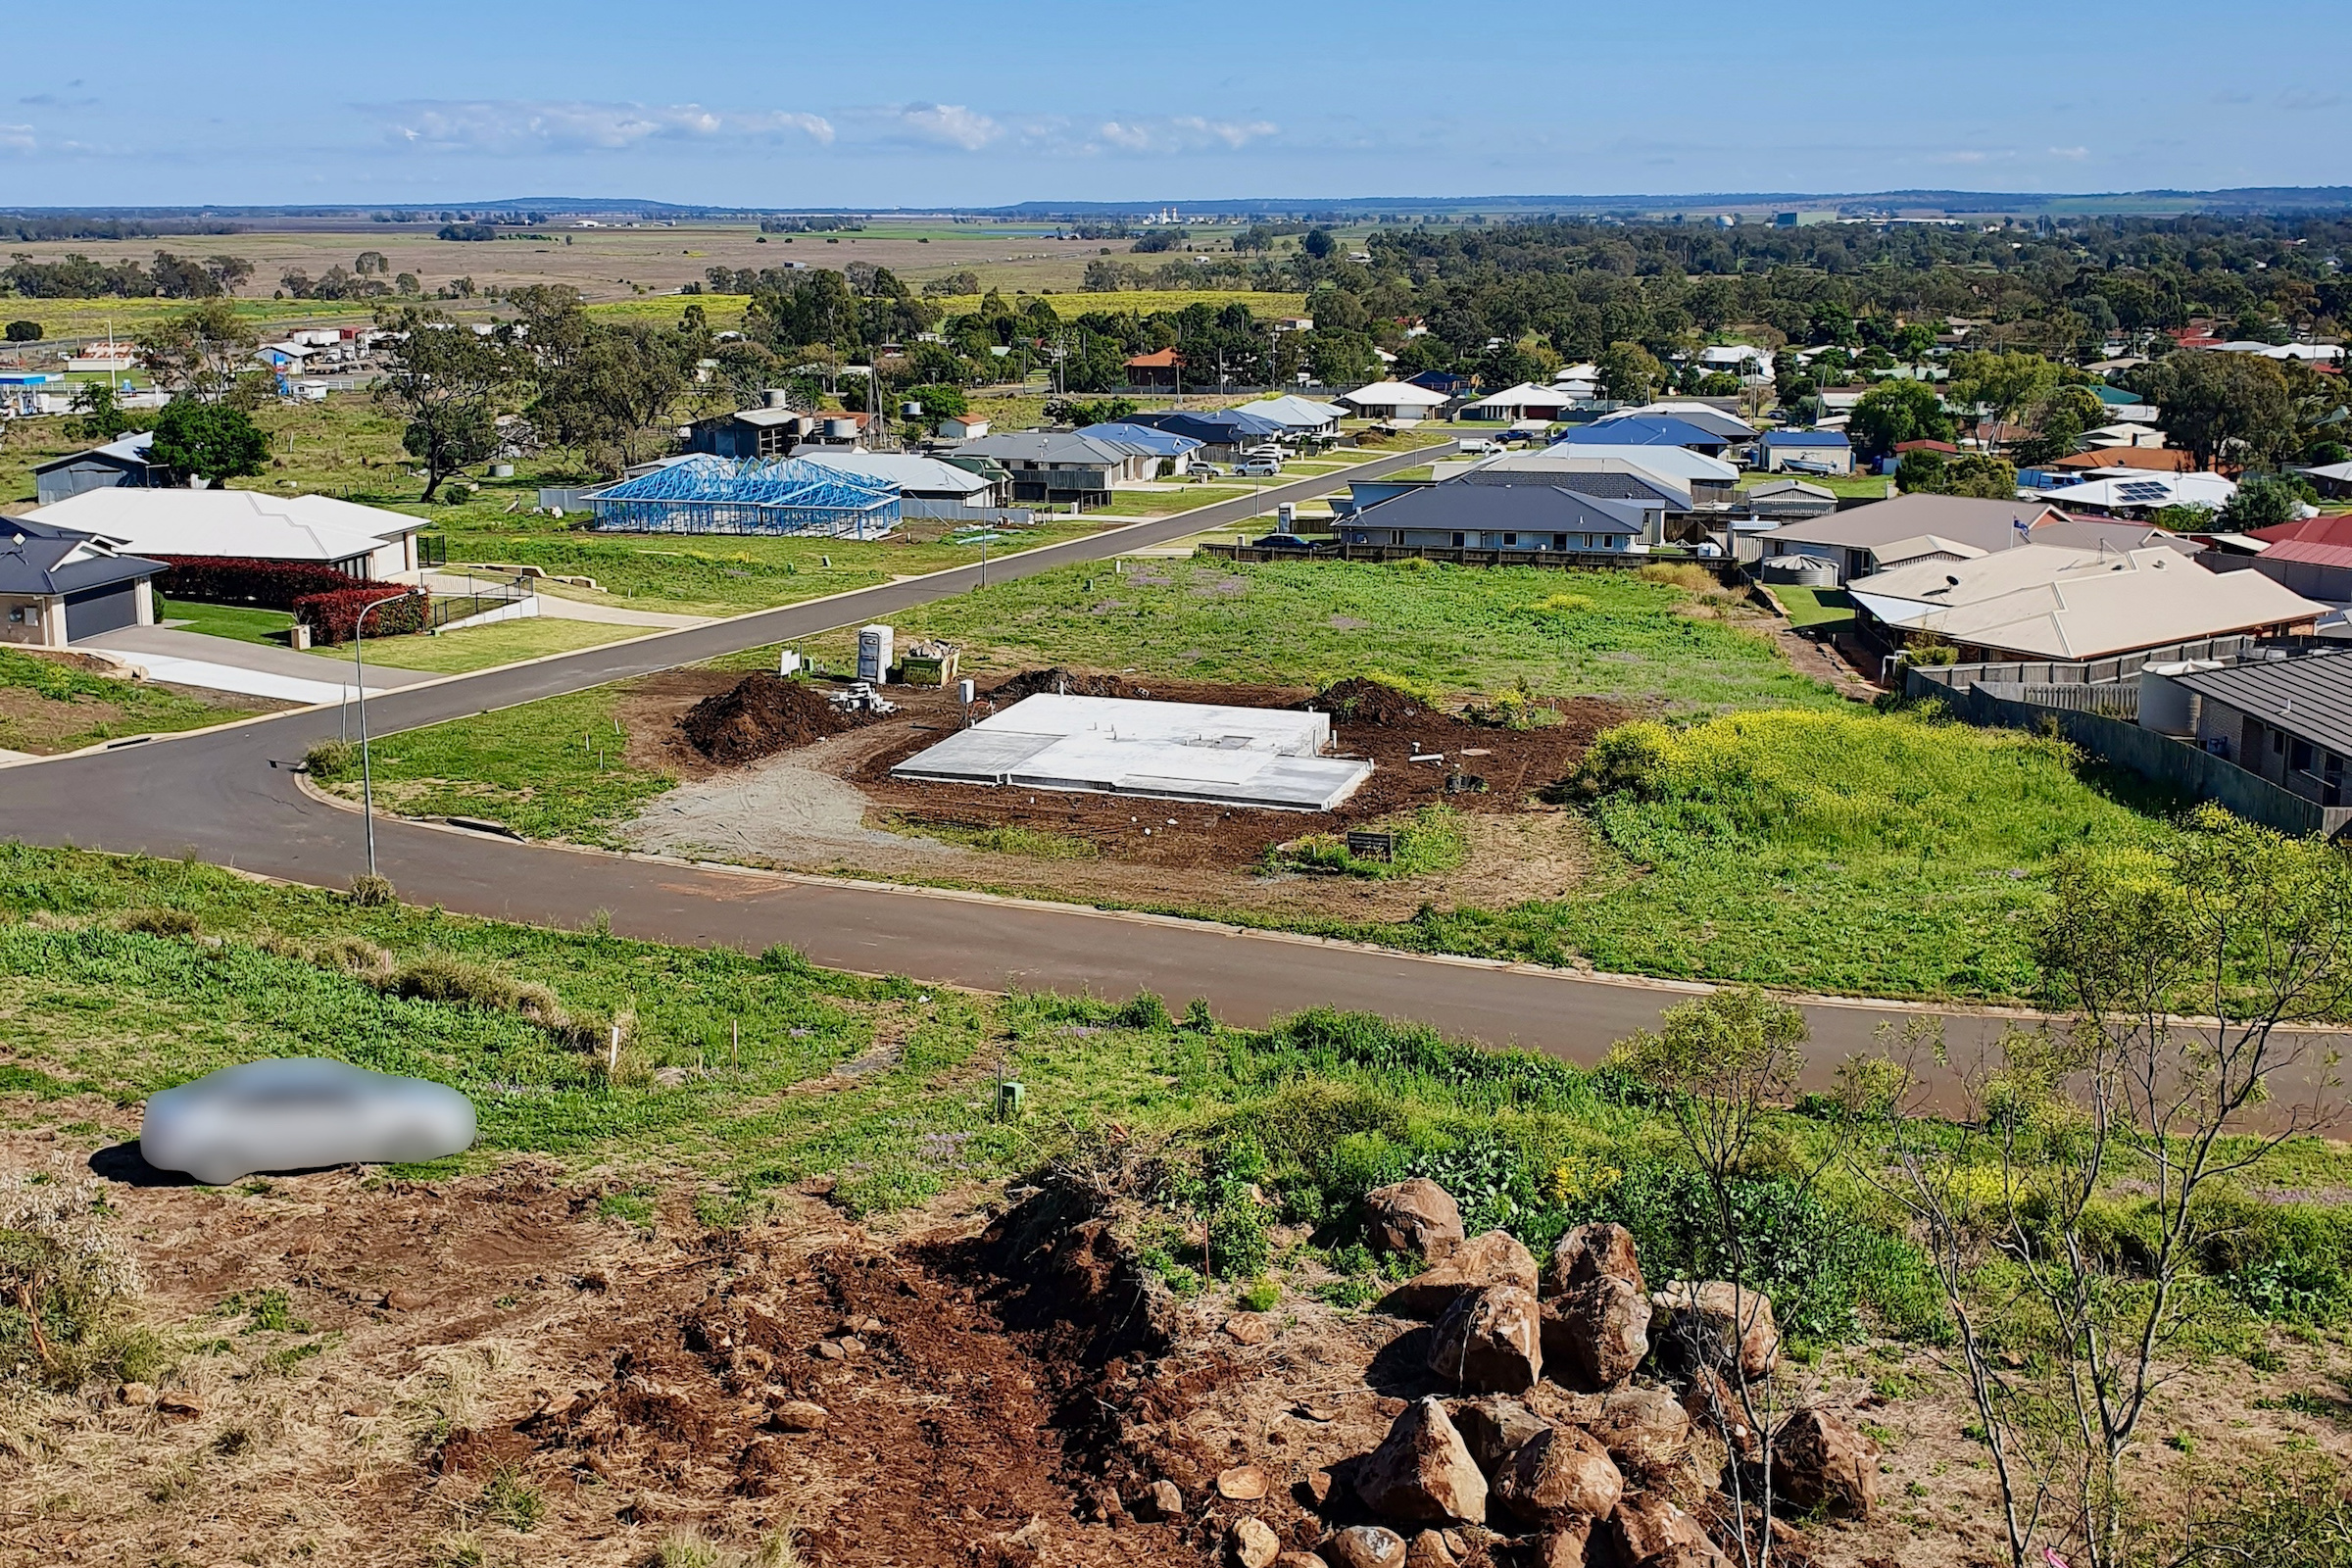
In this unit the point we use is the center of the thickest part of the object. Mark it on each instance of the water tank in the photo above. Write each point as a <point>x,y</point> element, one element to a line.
<point>1799,572</point>
<point>777,398</point>
<point>2165,704</point>
<point>873,654</point>
<point>841,429</point>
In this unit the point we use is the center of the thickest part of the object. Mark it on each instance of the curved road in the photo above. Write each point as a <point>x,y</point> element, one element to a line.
<point>231,795</point>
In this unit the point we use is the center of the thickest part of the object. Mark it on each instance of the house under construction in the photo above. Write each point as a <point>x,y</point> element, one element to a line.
<point>704,494</point>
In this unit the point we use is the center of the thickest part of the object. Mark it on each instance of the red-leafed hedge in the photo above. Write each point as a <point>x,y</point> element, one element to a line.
<point>331,616</point>
<point>235,580</point>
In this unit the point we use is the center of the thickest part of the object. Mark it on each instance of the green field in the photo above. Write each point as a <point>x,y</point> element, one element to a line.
<point>46,707</point>
<point>504,642</point>
<point>1454,629</point>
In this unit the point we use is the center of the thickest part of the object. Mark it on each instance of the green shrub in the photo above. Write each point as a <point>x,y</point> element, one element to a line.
<point>164,923</point>
<point>330,760</point>
<point>1260,1296</point>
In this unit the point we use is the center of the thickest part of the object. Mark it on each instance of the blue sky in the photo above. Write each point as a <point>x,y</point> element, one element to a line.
<point>916,102</point>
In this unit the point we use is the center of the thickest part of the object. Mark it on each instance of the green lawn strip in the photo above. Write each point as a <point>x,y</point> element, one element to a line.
<point>55,698</point>
<point>237,623</point>
<point>503,642</point>
<point>1815,606</point>
<point>553,769</point>
<point>1456,630</point>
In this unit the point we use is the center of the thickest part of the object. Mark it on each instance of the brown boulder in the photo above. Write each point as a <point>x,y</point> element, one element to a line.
<point>1558,1475</point>
<point>1243,1483</point>
<point>1592,1253</point>
<point>1251,1544</point>
<point>1413,1216</point>
<point>801,1415</point>
<point>1563,1548</point>
<point>1713,1407</point>
<point>1596,1333</point>
<point>1821,1464</point>
<point>1365,1547</point>
<point>1647,1532</point>
<point>1494,1257</point>
<point>1716,1324</point>
<point>1429,1550</point>
<point>1300,1559</point>
<point>1421,1472</point>
<point>1645,1431</point>
<point>1164,1500</point>
<point>1493,1430</point>
<point>1489,1342</point>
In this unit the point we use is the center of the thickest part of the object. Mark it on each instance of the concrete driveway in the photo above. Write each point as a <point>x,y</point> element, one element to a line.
<point>252,669</point>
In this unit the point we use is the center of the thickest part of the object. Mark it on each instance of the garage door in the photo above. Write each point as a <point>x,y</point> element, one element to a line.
<point>101,609</point>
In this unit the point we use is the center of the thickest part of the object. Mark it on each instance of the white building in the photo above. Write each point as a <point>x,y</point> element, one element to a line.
<point>244,525</point>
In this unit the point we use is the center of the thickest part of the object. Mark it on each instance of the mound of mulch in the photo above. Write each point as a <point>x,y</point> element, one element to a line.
<point>761,716</point>
<point>1032,682</point>
<point>1357,701</point>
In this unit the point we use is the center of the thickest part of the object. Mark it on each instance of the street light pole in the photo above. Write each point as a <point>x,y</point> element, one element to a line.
<point>358,681</point>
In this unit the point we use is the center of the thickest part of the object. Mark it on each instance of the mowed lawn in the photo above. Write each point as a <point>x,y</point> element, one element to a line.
<point>1453,629</point>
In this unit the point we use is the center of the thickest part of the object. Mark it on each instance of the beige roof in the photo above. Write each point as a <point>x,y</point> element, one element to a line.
<point>1897,551</point>
<point>1986,524</point>
<point>2045,601</point>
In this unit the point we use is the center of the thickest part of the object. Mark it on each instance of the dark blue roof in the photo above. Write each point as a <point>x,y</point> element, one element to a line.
<point>1444,382</point>
<point>1535,508</point>
<point>1214,427</point>
<point>1806,438</point>
<point>1644,430</point>
<point>32,561</point>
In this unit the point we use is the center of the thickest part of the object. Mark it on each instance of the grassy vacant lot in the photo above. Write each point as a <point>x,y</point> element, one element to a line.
<point>553,768</point>
<point>503,642</point>
<point>1455,629</point>
<point>46,707</point>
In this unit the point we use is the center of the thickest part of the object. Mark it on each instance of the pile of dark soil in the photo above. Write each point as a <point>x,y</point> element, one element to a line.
<point>1031,682</point>
<point>761,716</point>
<point>1357,701</point>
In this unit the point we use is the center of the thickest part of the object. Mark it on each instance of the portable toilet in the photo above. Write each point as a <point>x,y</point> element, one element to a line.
<point>873,654</point>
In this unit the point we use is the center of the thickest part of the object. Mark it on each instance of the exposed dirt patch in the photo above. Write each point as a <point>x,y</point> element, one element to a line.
<point>833,806</point>
<point>761,716</point>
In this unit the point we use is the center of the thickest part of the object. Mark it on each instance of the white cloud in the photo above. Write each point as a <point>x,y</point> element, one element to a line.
<point>950,124</point>
<point>1182,133</point>
<point>2071,154</point>
<point>506,125</point>
<point>17,139</point>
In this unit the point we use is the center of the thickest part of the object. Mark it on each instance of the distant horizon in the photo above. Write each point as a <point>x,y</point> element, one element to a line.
<point>2246,199</point>
<point>940,106</point>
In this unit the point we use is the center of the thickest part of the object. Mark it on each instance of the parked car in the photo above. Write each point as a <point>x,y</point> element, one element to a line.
<point>1205,470</point>
<point>1482,443</point>
<point>1257,469</point>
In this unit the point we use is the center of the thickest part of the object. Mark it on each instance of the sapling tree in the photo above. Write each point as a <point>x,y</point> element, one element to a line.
<point>1724,1064</point>
<point>2195,991</point>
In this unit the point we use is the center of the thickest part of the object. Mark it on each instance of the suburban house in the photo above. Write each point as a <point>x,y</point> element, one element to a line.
<point>1526,401</point>
<point>58,585</point>
<point>1171,453</point>
<point>2156,460</point>
<point>2040,601</point>
<point>1790,500</point>
<point>1804,452</point>
<point>919,478</point>
<point>1444,383</point>
<point>2139,493</point>
<point>2287,720</point>
<point>961,428</point>
<point>1300,416</point>
<point>1705,416</point>
<point>1707,481</point>
<point>1397,402</point>
<point>1160,369</point>
<point>1060,468</point>
<point>1862,540</point>
<point>1742,359</point>
<point>1649,430</point>
<point>1224,434</point>
<point>764,433</point>
<point>118,462</point>
<point>1500,517</point>
<point>1658,501</point>
<point>245,525</point>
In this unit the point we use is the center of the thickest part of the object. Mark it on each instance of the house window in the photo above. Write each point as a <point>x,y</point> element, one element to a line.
<point>1510,538</point>
<point>1559,541</point>
<point>15,615</point>
<point>1457,541</point>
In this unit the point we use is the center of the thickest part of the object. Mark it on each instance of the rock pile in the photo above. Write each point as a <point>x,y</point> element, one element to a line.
<point>1543,1447</point>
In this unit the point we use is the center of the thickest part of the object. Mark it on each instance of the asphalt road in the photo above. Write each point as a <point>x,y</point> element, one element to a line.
<point>230,796</point>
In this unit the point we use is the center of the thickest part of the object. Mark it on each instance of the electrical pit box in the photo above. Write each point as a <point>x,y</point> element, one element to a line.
<point>788,662</point>
<point>874,654</point>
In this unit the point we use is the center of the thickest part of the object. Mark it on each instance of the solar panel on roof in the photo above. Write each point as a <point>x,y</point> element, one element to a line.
<point>2141,490</point>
